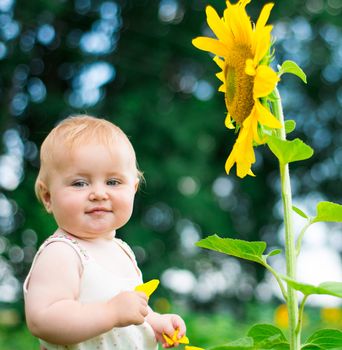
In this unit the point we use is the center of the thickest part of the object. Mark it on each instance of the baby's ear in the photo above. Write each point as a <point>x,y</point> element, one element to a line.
<point>45,195</point>
<point>136,186</point>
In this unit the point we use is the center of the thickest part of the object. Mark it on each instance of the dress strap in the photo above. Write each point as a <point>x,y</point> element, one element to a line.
<point>128,250</point>
<point>59,236</point>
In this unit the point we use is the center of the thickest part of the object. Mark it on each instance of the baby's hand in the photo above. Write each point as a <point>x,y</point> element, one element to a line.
<point>168,324</point>
<point>129,308</point>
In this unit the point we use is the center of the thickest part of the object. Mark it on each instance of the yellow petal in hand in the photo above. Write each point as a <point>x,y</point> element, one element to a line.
<point>168,339</point>
<point>183,340</point>
<point>148,288</point>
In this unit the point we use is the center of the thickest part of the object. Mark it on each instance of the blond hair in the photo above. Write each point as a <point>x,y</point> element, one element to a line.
<point>74,131</point>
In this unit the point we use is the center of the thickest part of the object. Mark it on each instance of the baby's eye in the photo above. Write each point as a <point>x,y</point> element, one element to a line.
<point>79,183</point>
<point>113,182</point>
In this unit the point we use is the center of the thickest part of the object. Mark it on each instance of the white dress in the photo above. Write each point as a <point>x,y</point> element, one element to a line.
<point>98,284</point>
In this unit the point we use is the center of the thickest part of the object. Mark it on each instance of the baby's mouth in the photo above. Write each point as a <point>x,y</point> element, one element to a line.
<point>98,210</point>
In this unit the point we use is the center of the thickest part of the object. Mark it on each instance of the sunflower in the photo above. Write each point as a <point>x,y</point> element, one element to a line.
<point>242,52</point>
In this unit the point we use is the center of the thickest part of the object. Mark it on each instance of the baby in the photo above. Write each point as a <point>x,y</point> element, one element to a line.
<point>79,293</point>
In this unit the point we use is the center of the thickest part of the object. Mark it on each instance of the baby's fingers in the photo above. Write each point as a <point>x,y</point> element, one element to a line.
<point>142,296</point>
<point>178,325</point>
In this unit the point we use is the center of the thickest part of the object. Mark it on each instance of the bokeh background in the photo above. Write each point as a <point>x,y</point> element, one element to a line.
<point>132,62</point>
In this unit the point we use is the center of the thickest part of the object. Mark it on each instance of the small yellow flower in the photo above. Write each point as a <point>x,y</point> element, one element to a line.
<point>148,288</point>
<point>171,341</point>
<point>241,51</point>
<point>331,315</point>
<point>281,316</point>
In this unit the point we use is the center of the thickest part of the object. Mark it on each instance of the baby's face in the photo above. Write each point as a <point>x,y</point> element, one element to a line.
<point>91,189</point>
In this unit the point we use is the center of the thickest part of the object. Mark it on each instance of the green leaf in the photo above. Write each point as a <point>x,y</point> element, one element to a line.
<point>235,247</point>
<point>267,336</point>
<point>290,125</point>
<point>328,288</point>
<point>334,288</point>
<point>292,68</point>
<point>283,346</point>
<point>299,212</point>
<point>324,339</point>
<point>274,252</point>
<point>289,151</point>
<point>240,344</point>
<point>328,212</point>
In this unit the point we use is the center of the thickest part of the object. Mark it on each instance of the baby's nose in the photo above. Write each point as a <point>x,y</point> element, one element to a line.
<point>98,193</point>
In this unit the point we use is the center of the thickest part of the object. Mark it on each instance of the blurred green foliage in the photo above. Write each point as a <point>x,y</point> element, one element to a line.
<point>204,329</point>
<point>18,339</point>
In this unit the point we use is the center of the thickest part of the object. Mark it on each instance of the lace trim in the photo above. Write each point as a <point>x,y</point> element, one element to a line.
<point>60,235</point>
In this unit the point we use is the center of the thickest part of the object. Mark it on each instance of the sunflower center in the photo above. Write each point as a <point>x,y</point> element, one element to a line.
<point>239,93</point>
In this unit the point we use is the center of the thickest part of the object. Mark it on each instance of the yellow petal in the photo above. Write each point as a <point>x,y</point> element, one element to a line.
<point>192,348</point>
<point>219,62</point>
<point>212,45</point>
<point>250,173</point>
<point>175,335</point>
<point>230,160</point>
<point>222,88</point>
<point>265,117</point>
<point>218,26</point>
<point>221,76</point>
<point>243,165</point>
<point>228,122</point>
<point>239,22</point>
<point>252,123</point>
<point>244,2</point>
<point>262,34</point>
<point>250,67</point>
<point>183,340</point>
<point>148,288</point>
<point>168,339</point>
<point>243,152</point>
<point>264,82</point>
<point>240,3</point>
<point>264,15</point>
<point>171,341</point>
<point>261,43</point>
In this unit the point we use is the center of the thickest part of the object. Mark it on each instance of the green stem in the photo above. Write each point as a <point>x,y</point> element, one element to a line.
<point>290,251</point>
<point>276,276</point>
<point>300,315</point>
<point>300,237</point>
